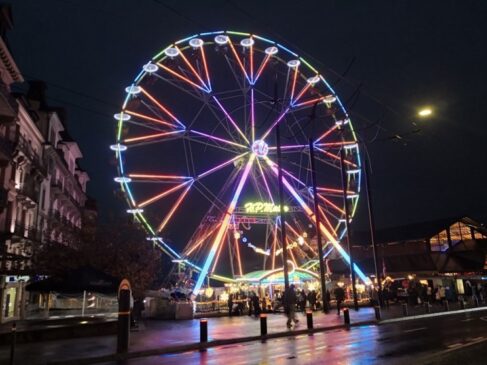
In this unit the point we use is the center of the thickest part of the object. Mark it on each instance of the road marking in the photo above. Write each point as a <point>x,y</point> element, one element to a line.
<point>415,329</point>
<point>468,319</point>
<point>453,345</point>
<point>483,319</point>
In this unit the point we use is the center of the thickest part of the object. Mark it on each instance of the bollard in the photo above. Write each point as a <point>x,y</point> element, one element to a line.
<point>309,319</point>
<point>123,320</point>
<point>346,316</point>
<point>427,307</point>
<point>263,325</point>
<point>447,305</point>
<point>404,309</point>
<point>203,330</point>
<point>462,304</point>
<point>12,344</point>
<point>377,312</point>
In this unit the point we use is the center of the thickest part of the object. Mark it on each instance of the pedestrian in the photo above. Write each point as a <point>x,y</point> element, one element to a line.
<point>249,303</point>
<point>289,301</point>
<point>312,300</point>
<point>429,294</point>
<point>256,304</point>
<point>230,304</point>
<point>302,300</point>
<point>340,297</point>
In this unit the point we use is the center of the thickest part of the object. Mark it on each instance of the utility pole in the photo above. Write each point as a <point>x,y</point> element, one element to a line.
<point>347,217</point>
<point>317,213</point>
<point>372,228</point>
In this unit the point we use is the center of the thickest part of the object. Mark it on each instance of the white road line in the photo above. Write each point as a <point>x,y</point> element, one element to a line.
<point>415,329</point>
<point>468,319</point>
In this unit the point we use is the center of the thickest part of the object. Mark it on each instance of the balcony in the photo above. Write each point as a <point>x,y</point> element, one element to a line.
<point>27,193</point>
<point>15,229</point>
<point>61,192</point>
<point>8,105</point>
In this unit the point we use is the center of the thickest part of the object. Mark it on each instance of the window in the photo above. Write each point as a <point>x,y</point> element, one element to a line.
<point>459,232</point>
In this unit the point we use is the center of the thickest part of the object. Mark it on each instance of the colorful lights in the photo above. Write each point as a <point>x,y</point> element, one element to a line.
<point>313,80</point>
<point>135,211</point>
<point>293,63</point>
<point>196,42</point>
<point>271,50</point>
<point>263,208</point>
<point>221,39</point>
<point>133,90</point>
<point>118,147</point>
<point>122,179</point>
<point>121,116</point>
<point>247,42</point>
<point>426,112</point>
<point>260,148</point>
<point>172,52</point>
<point>150,67</point>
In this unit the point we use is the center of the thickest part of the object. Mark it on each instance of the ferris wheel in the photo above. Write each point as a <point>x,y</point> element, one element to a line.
<point>197,155</point>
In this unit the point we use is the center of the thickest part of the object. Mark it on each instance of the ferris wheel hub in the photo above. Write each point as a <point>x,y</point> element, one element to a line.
<point>260,148</point>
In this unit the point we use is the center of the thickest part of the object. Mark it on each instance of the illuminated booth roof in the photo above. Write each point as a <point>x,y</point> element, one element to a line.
<point>296,276</point>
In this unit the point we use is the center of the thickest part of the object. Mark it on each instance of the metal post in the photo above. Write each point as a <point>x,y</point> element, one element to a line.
<point>446,304</point>
<point>263,325</point>
<point>309,319</point>
<point>346,316</point>
<point>427,307</point>
<point>372,229</point>
<point>123,320</point>
<point>462,304</point>
<point>281,202</point>
<point>203,330</point>
<point>347,221</point>
<point>83,306</point>
<point>377,312</point>
<point>13,343</point>
<point>318,230</point>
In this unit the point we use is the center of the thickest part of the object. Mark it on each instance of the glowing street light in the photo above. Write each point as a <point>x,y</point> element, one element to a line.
<point>426,112</point>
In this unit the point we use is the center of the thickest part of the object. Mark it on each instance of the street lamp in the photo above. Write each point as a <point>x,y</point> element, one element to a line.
<point>425,112</point>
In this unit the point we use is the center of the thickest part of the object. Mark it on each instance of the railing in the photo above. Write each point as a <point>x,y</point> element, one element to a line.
<point>28,190</point>
<point>36,160</point>
<point>8,105</point>
<point>21,230</point>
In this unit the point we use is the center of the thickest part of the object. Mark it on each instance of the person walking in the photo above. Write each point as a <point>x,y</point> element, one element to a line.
<point>340,297</point>
<point>230,305</point>
<point>289,301</point>
<point>256,304</point>
<point>312,300</point>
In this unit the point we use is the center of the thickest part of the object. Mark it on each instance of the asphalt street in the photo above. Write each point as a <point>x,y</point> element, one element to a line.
<point>445,340</point>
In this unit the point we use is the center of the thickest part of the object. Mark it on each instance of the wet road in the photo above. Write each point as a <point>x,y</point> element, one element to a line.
<point>397,343</point>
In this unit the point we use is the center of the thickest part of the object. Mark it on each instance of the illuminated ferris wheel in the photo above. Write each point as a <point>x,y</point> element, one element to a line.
<point>197,157</point>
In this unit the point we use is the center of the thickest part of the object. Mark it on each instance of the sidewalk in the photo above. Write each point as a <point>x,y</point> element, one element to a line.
<point>154,334</point>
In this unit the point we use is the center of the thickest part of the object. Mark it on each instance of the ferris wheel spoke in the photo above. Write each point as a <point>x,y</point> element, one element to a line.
<point>230,119</point>
<point>261,68</point>
<point>174,207</point>
<point>157,178</point>
<point>331,204</point>
<point>293,84</point>
<point>152,137</point>
<point>164,194</point>
<point>218,139</point>
<point>265,181</point>
<point>220,166</point>
<point>224,225</point>
<point>205,66</point>
<point>278,120</point>
<point>252,114</point>
<point>327,133</point>
<point>152,119</point>
<point>239,61</point>
<point>199,241</point>
<point>297,235</point>
<point>162,107</point>
<point>337,158</point>
<point>182,77</point>
<point>185,59</point>
<point>300,94</point>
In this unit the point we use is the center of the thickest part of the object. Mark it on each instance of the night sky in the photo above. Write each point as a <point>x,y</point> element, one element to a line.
<point>387,59</point>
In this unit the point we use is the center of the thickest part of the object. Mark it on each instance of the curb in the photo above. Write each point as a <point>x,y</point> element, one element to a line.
<point>439,314</point>
<point>203,346</point>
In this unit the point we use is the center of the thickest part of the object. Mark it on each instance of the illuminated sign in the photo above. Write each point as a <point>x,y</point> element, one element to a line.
<point>263,208</point>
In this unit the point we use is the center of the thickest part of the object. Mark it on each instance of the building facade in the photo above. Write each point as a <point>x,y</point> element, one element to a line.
<point>42,187</point>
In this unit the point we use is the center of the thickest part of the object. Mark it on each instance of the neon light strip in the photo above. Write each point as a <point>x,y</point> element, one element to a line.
<point>165,110</point>
<point>325,217</point>
<point>312,101</point>
<point>151,136</point>
<point>293,102</point>
<point>330,190</point>
<point>163,194</point>
<point>230,119</point>
<point>150,176</point>
<point>224,225</point>
<point>237,249</point>
<point>217,138</point>
<point>265,181</point>
<point>198,243</point>
<point>192,69</point>
<point>205,66</point>
<point>252,114</point>
<point>293,86</point>
<point>220,166</point>
<point>261,68</point>
<point>326,133</point>
<point>174,207</point>
<point>252,64</point>
<point>275,123</point>
<point>142,116</point>
<point>331,204</point>
<point>184,78</point>
<point>238,59</point>
<point>336,157</point>
<point>218,253</point>
<point>165,246</point>
<point>298,235</point>
<point>328,235</point>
